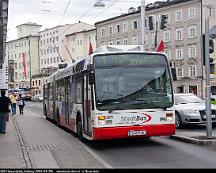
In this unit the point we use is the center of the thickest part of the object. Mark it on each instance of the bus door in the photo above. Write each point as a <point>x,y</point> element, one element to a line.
<point>87,106</point>
<point>67,100</point>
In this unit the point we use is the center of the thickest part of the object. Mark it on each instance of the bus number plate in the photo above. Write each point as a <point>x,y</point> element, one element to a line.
<point>136,133</point>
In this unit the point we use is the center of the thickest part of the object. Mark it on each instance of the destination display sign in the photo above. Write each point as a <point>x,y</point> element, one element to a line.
<point>130,59</point>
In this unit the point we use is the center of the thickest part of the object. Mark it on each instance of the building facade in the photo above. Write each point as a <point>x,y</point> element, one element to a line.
<point>182,37</point>
<point>54,45</point>
<point>23,56</point>
<point>79,43</point>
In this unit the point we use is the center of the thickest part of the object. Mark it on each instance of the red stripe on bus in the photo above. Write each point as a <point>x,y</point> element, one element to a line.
<point>122,132</point>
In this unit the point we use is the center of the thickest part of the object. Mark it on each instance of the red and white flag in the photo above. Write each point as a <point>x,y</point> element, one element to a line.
<point>161,47</point>
<point>90,48</point>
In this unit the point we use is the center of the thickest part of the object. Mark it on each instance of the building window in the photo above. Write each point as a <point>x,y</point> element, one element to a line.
<point>125,27</point>
<point>179,72</point>
<point>118,42</point>
<point>16,75</point>
<point>179,53</point>
<point>192,32</point>
<point>118,28</point>
<point>134,25</point>
<point>134,40</point>
<point>110,30</point>
<point>192,52</point>
<point>192,71</point>
<point>102,32</point>
<point>110,43</point>
<point>125,41</point>
<point>178,15</point>
<point>179,34</point>
<point>191,13</point>
<point>167,36</point>
<point>153,38</point>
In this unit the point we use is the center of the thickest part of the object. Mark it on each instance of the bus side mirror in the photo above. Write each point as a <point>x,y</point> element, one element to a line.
<point>174,76</point>
<point>91,78</point>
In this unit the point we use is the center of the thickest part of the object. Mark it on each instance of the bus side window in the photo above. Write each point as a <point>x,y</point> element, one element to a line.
<point>79,88</point>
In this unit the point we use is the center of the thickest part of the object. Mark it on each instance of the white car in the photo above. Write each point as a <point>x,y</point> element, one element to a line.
<point>37,98</point>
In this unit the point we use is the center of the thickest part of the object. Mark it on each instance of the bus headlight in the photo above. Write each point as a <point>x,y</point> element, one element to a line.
<point>101,122</point>
<point>169,117</point>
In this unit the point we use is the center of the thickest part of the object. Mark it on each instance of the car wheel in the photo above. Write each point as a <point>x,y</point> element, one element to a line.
<point>178,121</point>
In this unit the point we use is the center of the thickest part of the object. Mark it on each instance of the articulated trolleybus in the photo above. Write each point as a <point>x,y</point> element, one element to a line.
<point>116,92</point>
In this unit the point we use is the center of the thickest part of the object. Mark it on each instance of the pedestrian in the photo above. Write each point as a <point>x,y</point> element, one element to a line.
<point>21,103</point>
<point>4,111</point>
<point>13,104</point>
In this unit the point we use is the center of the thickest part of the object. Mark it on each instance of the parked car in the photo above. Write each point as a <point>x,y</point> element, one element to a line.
<point>190,109</point>
<point>37,98</point>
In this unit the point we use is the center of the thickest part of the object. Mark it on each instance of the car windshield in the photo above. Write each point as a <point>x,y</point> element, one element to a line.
<point>183,99</point>
<point>132,81</point>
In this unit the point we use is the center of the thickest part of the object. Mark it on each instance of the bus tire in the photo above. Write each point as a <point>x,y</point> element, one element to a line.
<point>57,118</point>
<point>79,127</point>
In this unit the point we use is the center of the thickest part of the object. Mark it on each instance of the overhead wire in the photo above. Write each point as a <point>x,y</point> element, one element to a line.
<point>97,15</point>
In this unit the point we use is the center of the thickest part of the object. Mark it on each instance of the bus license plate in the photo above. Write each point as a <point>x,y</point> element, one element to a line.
<point>136,133</point>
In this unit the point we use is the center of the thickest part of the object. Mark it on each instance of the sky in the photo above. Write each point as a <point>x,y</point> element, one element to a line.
<point>50,13</point>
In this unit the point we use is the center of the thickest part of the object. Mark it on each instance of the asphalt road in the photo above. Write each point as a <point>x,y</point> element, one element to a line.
<point>156,152</point>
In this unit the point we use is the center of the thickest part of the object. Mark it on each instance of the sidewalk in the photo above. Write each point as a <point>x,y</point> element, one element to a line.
<point>9,149</point>
<point>33,142</point>
<point>198,138</point>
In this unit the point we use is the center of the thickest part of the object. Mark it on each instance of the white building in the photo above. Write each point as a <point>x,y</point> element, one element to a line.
<point>53,45</point>
<point>23,55</point>
<point>79,43</point>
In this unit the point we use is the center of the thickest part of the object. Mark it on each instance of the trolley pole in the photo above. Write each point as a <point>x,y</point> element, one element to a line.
<point>143,24</point>
<point>208,89</point>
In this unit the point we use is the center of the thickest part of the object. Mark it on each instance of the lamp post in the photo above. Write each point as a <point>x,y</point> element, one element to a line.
<point>143,24</point>
<point>30,69</point>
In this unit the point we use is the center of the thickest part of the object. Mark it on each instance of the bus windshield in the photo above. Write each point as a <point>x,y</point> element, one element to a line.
<point>132,81</point>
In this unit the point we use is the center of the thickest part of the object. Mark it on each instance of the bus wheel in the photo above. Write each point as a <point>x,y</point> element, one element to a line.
<point>79,128</point>
<point>178,121</point>
<point>58,118</point>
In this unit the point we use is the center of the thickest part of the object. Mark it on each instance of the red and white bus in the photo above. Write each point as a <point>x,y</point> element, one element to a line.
<point>116,92</point>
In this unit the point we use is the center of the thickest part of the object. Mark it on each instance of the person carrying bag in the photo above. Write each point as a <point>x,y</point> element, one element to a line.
<point>21,103</point>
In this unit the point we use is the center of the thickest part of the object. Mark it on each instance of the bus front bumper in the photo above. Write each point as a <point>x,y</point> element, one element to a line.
<point>125,132</point>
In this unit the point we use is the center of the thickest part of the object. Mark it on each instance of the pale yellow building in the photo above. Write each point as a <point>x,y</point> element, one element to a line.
<point>78,43</point>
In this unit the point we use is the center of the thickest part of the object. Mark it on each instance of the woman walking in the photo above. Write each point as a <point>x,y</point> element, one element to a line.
<point>21,103</point>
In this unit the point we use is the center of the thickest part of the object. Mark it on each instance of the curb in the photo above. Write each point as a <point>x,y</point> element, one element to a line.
<point>207,142</point>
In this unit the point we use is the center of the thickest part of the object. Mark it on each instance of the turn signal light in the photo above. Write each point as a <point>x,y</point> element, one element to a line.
<point>101,117</point>
<point>169,114</point>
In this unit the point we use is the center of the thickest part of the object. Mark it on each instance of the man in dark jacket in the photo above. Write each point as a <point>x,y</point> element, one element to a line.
<point>4,111</point>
